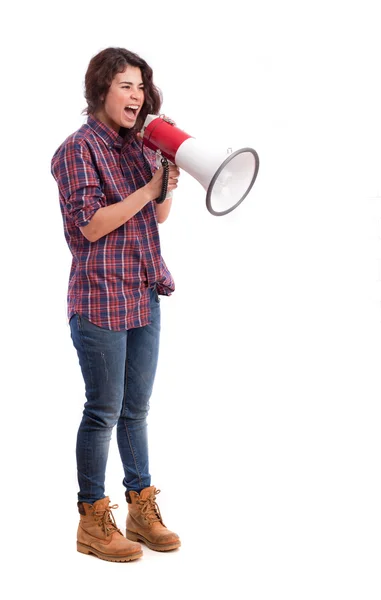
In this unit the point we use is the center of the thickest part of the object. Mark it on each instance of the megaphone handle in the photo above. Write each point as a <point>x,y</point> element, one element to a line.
<point>164,186</point>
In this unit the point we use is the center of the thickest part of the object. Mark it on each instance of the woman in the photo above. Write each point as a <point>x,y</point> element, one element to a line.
<point>108,185</point>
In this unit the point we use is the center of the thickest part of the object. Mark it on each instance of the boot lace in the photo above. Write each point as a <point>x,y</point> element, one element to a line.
<point>149,508</point>
<point>106,520</point>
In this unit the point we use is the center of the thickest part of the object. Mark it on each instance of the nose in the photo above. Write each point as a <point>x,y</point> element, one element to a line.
<point>136,94</point>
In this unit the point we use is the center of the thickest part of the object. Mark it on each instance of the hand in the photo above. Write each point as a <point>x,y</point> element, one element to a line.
<point>155,185</point>
<point>174,174</point>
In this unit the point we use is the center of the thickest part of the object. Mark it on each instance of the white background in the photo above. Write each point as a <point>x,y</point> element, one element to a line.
<point>265,419</point>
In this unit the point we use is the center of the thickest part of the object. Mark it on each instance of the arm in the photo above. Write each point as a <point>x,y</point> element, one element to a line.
<point>108,218</point>
<point>78,182</point>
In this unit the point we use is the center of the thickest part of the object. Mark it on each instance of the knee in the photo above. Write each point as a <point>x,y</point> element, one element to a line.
<point>103,405</point>
<point>99,419</point>
<point>136,408</point>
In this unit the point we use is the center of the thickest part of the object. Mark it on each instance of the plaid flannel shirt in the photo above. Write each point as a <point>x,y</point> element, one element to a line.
<point>109,278</point>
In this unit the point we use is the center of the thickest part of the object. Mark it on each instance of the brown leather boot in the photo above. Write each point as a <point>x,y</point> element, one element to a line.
<point>99,535</point>
<point>144,522</point>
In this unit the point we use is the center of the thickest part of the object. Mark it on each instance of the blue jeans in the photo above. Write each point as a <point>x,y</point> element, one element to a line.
<point>118,369</point>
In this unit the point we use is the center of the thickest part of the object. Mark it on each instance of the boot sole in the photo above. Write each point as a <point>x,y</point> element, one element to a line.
<point>137,537</point>
<point>111,558</point>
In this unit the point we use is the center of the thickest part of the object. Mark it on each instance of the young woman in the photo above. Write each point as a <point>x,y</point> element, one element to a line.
<point>108,184</point>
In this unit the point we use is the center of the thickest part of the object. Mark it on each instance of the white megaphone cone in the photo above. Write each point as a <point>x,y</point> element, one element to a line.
<point>226,176</point>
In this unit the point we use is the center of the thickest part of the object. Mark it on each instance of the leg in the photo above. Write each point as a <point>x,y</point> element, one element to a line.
<point>102,357</point>
<point>142,357</point>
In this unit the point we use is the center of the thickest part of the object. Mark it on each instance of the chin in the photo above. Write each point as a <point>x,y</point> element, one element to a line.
<point>128,124</point>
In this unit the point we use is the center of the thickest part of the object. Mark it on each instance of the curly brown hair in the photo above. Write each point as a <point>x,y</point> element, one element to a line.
<point>101,71</point>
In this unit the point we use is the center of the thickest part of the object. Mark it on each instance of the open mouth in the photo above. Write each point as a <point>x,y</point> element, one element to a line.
<point>131,111</point>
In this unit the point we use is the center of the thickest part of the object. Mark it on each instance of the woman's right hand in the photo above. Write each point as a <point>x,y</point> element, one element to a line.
<point>155,185</point>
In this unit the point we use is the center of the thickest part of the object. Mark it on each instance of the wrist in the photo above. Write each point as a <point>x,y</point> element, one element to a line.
<point>141,196</point>
<point>148,193</point>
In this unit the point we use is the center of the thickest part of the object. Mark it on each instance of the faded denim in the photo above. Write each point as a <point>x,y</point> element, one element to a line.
<point>118,369</point>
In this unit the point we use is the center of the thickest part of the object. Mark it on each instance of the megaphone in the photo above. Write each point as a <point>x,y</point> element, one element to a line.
<point>227,177</point>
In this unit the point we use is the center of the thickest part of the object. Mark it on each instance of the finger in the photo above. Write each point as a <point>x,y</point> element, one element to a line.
<point>174,169</point>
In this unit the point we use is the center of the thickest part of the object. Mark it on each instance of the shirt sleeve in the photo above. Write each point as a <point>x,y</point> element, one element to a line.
<point>78,182</point>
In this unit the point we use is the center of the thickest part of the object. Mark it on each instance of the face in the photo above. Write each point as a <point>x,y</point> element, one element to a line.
<point>124,100</point>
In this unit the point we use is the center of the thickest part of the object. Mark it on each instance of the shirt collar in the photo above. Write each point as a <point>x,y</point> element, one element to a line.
<point>108,135</point>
